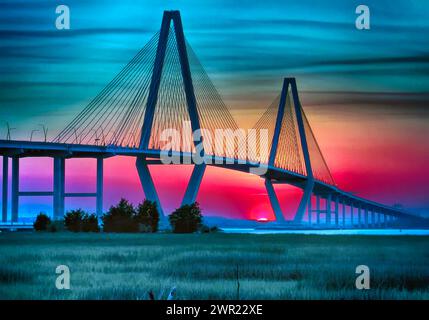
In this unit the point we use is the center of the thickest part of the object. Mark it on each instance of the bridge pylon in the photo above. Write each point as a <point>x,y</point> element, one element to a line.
<point>169,18</point>
<point>289,91</point>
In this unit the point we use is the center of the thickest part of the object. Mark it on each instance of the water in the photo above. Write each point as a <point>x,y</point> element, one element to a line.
<point>368,232</point>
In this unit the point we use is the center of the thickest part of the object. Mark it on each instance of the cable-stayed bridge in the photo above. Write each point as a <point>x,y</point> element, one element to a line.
<point>164,88</point>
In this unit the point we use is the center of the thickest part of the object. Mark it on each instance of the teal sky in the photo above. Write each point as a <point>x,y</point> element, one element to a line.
<point>48,75</point>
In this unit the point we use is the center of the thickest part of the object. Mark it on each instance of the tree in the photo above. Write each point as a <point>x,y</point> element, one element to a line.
<point>147,215</point>
<point>42,222</point>
<point>79,220</point>
<point>56,225</point>
<point>186,219</point>
<point>120,218</point>
<point>90,223</point>
<point>73,220</point>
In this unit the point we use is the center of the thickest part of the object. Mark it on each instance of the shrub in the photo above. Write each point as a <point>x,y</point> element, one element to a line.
<point>204,229</point>
<point>78,220</point>
<point>186,219</point>
<point>90,223</point>
<point>73,220</point>
<point>214,229</point>
<point>120,218</point>
<point>207,229</point>
<point>56,225</point>
<point>42,222</point>
<point>147,216</point>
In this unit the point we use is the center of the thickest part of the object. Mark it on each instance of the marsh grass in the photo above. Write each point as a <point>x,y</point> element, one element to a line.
<point>203,266</point>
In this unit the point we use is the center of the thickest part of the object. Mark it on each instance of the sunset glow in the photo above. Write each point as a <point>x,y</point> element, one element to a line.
<point>364,93</point>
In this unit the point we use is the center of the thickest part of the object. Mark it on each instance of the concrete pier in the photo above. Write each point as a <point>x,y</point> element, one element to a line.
<point>328,209</point>
<point>336,210</point>
<point>318,210</point>
<point>59,187</point>
<point>5,188</point>
<point>15,189</point>
<point>99,191</point>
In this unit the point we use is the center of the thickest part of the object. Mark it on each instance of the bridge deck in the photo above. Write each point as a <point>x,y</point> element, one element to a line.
<point>279,176</point>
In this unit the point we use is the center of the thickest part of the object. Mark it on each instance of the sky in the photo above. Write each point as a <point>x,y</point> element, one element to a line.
<point>365,92</point>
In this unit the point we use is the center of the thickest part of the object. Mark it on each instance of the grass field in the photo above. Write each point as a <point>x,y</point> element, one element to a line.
<point>204,266</point>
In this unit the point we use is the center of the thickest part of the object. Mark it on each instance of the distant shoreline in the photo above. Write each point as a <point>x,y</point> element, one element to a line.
<point>369,232</point>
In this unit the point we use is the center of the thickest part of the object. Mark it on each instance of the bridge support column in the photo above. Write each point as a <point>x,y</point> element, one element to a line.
<point>368,223</point>
<point>99,191</point>
<point>306,197</point>
<point>359,216</point>
<point>352,220</point>
<point>309,212</point>
<point>379,219</point>
<point>194,184</point>
<point>336,211</point>
<point>346,214</point>
<point>59,187</point>
<point>343,213</point>
<point>372,219</point>
<point>318,209</point>
<point>366,218</point>
<point>5,186</point>
<point>275,205</point>
<point>328,209</point>
<point>148,185</point>
<point>15,189</point>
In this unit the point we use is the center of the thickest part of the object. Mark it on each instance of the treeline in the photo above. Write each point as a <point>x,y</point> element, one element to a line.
<point>124,217</point>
